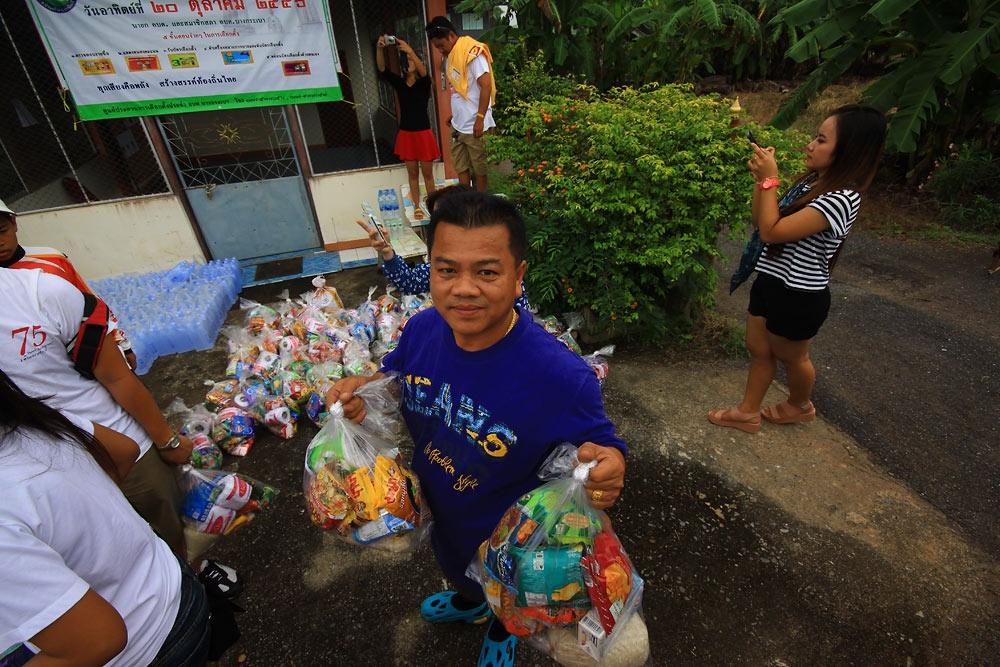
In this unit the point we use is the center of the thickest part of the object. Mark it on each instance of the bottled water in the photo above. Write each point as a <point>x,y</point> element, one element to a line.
<point>177,310</point>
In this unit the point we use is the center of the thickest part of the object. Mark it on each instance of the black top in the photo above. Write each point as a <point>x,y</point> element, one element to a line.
<point>412,101</point>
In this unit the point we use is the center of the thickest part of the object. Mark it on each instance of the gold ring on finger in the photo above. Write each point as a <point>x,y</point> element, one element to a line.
<point>596,495</point>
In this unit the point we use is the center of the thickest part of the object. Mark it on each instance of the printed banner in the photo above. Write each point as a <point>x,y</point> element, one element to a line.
<point>146,58</point>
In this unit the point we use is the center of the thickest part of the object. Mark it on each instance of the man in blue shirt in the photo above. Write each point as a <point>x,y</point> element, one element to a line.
<point>487,395</point>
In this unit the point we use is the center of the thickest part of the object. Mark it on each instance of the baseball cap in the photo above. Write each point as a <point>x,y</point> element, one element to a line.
<point>440,26</point>
<point>5,209</point>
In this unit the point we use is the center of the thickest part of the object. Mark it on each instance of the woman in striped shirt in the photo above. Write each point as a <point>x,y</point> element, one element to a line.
<point>803,234</point>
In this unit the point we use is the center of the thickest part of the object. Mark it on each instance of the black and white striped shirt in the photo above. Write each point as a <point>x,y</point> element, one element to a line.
<point>803,264</point>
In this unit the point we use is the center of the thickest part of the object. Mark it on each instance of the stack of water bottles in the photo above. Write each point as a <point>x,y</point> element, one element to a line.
<point>177,310</point>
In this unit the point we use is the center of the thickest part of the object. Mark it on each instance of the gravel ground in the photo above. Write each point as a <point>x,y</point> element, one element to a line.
<point>866,537</point>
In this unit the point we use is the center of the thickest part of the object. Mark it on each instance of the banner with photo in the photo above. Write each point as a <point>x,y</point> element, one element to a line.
<point>146,58</point>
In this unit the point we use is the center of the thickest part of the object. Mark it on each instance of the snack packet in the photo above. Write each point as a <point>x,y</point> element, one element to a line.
<point>554,561</point>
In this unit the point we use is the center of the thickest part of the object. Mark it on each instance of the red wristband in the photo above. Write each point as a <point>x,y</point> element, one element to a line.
<point>768,183</point>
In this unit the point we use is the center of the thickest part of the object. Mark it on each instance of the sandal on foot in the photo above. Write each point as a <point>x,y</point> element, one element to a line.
<point>440,608</point>
<point>497,652</point>
<point>733,418</point>
<point>786,413</point>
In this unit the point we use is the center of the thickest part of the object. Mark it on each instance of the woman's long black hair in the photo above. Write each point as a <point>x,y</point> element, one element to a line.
<point>20,411</point>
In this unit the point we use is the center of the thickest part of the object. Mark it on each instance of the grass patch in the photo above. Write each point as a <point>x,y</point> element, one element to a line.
<point>722,333</point>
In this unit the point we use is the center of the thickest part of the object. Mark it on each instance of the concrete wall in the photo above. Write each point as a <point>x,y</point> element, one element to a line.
<point>144,234</point>
<point>338,198</point>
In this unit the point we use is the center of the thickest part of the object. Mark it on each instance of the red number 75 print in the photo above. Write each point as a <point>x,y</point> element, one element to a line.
<point>37,336</point>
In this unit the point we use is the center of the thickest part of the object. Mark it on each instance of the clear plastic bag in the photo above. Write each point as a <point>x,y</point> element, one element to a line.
<point>598,362</point>
<point>259,316</point>
<point>196,424</point>
<point>324,296</point>
<point>215,500</point>
<point>574,322</point>
<point>553,565</point>
<point>355,483</point>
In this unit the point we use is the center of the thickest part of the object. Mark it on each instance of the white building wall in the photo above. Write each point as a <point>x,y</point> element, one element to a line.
<point>105,239</point>
<point>338,198</point>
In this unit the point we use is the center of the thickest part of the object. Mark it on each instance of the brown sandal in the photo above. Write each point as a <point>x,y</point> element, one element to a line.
<point>733,418</point>
<point>786,413</point>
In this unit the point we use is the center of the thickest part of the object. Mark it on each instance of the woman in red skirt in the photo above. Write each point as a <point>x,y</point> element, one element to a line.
<point>415,143</point>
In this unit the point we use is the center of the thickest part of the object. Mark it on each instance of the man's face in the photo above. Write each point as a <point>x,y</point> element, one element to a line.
<point>474,282</point>
<point>8,236</point>
<point>444,44</point>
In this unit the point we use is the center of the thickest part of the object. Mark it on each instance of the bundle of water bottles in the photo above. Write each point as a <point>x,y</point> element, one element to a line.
<point>177,310</point>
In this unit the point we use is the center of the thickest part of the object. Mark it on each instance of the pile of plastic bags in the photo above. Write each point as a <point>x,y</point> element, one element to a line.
<point>555,573</point>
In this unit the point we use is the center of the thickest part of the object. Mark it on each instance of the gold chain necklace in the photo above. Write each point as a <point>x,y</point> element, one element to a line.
<point>513,321</point>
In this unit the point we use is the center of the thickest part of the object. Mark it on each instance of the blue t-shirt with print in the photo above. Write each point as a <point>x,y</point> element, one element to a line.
<point>483,422</point>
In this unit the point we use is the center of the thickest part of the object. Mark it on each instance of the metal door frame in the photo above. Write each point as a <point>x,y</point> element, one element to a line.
<point>191,175</point>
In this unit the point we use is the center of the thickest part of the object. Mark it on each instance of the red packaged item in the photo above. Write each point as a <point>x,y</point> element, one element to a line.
<point>608,575</point>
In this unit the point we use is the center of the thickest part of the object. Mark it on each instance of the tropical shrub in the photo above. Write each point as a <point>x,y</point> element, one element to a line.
<point>624,195</point>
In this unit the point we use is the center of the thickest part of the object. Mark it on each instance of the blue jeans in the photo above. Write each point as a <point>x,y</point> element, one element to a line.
<point>188,642</point>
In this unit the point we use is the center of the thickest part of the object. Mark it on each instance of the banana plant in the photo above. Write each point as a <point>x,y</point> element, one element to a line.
<point>941,62</point>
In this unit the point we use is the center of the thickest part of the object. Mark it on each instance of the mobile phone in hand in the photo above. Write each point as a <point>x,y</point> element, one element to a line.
<point>752,139</point>
<point>378,227</point>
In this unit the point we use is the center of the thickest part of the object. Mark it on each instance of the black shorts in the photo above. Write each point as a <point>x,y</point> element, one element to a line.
<point>790,313</point>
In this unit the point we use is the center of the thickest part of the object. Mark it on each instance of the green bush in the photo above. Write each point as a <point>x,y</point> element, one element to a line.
<point>624,195</point>
<point>967,186</point>
<point>523,80</point>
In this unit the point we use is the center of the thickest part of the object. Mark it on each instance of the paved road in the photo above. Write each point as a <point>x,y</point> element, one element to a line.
<point>909,365</point>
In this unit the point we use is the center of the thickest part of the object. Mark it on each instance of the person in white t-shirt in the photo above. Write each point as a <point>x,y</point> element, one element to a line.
<point>84,579</point>
<point>469,71</point>
<point>43,314</point>
<point>803,233</point>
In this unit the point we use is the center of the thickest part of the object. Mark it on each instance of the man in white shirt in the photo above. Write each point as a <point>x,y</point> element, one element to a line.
<point>469,72</point>
<point>43,315</point>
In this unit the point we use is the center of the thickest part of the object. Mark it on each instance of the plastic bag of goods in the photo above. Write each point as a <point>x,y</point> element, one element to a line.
<point>322,377</point>
<point>221,393</point>
<point>574,322</point>
<point>235,430</point>
<point>243,351</point>
<point>325,296</point>
<point>354,483</point>
<point>555,573</point>
<point>196,424</point>
<point>273,411</point>
<point>259,316</point>
<point>216,502</point>
<point>598,362</point>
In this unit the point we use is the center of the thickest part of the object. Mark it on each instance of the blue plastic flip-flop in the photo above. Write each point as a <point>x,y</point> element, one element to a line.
<point>438,608</point>
<point>497,653</point>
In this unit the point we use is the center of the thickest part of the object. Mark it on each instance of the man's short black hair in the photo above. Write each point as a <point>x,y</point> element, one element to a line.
<point>472,210</point>
<point>440,26</point>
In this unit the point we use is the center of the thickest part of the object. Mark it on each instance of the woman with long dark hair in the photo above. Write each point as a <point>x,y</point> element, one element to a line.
<point>85,580</point>
<point>803,235</point>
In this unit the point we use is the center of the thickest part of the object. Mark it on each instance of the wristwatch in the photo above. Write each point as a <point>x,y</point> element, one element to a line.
<point>768,183</point>
<point>173,443</point>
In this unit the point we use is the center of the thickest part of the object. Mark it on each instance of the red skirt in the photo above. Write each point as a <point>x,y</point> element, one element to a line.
<point>420,145</point>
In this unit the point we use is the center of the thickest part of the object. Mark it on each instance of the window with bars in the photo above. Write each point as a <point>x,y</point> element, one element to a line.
<point>48,160</point>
